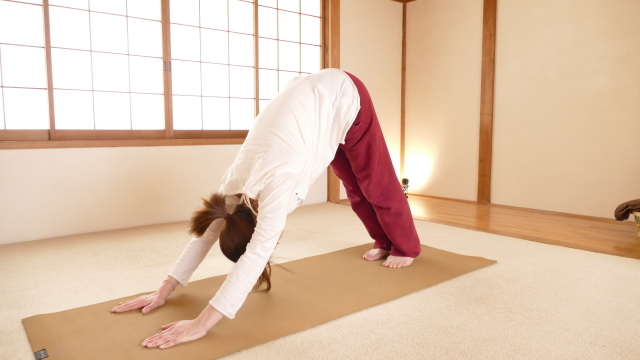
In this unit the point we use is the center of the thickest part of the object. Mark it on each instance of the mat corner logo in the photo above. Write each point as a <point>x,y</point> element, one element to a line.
<point>41,354</point>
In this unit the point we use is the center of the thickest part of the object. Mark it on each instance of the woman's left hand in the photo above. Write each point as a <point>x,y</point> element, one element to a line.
<point>186,330</point>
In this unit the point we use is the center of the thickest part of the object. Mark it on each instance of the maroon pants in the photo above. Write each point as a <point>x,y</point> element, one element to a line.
<point>364,165</point>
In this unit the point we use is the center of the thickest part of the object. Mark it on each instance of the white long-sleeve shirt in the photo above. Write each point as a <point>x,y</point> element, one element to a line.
<point>291,143</point>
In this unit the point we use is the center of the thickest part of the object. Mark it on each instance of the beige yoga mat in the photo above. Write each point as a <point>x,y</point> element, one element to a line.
<point>305,293</point>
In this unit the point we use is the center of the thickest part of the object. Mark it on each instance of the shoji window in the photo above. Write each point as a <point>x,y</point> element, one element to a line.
<point>23,77</point>
<point>212,51</point>
<point>148,69</point>
<point>107,64</point>
<point>289,43</point>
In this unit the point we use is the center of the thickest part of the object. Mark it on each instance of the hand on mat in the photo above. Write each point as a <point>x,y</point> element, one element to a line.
<point>176,333</point>
<point>186,330</point>
<point>146,302</point>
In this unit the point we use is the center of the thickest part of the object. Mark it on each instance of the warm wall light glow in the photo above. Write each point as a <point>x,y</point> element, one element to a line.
<point>418,167</point>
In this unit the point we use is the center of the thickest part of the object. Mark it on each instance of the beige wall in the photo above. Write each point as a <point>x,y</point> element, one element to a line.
<point>567,107</point>
<point>55,192</point>
<point>371,49</point>
<point>444,44</point>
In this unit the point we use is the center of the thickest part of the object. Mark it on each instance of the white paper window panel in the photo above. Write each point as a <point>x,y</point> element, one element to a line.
<point>291,5</point>
<point>284,77</point>
<point>147,112</point>
<point>271,3</point>
<point>23,66</point>
<point>267,22</point>
<point>240,16</point>
<point>215,113</point>
<point>215,46</point>
<point>108,33</point>
<point>69,28</point>
<point>118,7</point>
<point>263,104</point>
<point>146,9</point>
<point>214,14</point>
<point>241,80</point>
<point>26,109</point>
<point>71,69</point>
<point>185,12</point>
<point>112,111</point>
<point>77,4</point>
<point>185,76</point>
<point>242,113</point>
<point>187,112</point>
<point>215,80</point>
<point>73,109</point>
<point>145,37</point>
<point>288,56</point>
<point>310,58</point>
<point>268,84</point>
<point>1,110</point>
<point>110,72</point>
<point>288,26</point>
<point>146,75</point>
<point>268,53</point>
<point>241,49</point>
<point>310,7</point>
<point>185,42</point>
<point>21,24</point>
<point>310,30</point>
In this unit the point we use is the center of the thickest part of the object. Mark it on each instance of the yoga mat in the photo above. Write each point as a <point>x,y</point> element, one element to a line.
<point>305,293</point>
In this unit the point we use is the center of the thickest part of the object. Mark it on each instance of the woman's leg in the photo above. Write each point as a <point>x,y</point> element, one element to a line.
<point>359,203</point>
<point>371,165</point>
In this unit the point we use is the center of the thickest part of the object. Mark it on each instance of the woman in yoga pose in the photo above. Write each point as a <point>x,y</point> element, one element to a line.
<point>326,118</point>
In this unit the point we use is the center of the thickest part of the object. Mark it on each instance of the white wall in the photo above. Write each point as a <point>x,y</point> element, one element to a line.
<point>444,52</point>
<point>567,105</point>
<point>54,192</point>
<point>371,49</point>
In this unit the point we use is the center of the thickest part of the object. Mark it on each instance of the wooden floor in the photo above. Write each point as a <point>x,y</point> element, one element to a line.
<point>601,235</point>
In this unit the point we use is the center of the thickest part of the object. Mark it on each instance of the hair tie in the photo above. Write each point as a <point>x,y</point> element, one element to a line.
<point>227,216</point>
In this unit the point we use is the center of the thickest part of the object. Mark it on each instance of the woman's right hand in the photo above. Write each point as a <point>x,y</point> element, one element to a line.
<point>147,302</point>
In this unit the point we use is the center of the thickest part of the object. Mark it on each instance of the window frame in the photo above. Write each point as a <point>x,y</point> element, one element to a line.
<point>56,138</point>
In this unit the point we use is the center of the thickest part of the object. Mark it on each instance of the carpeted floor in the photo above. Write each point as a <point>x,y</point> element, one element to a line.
<point>538,302</point>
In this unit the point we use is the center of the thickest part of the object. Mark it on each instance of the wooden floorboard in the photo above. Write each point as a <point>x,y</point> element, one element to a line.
<point>600,235</point>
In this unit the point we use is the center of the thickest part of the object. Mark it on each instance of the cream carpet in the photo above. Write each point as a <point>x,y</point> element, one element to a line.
<point>538,302</point>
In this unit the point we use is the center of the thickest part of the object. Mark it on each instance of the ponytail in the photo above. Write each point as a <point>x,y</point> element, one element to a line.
<point>235,233</point>
<point>214,208</point>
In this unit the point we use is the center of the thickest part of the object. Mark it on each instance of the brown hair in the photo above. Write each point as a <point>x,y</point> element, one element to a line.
<point>235,234</point>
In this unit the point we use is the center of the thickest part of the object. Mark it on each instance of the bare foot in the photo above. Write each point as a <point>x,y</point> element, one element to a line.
<point>375,254</point>
<point>397,261</point>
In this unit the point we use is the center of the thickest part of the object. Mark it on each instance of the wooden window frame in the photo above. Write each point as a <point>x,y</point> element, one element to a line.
<point>56,138</point>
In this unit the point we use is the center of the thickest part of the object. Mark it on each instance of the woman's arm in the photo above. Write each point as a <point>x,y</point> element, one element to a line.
<point>187,263</point>
<point>272,215</point>
<point>198,248</point>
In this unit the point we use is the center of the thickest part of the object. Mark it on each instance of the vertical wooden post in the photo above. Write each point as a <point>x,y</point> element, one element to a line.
<point>47,52</point>
<point>166,58</point>
<point>331,59</point>
<point>486,100</point>
<point>403,87</point>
